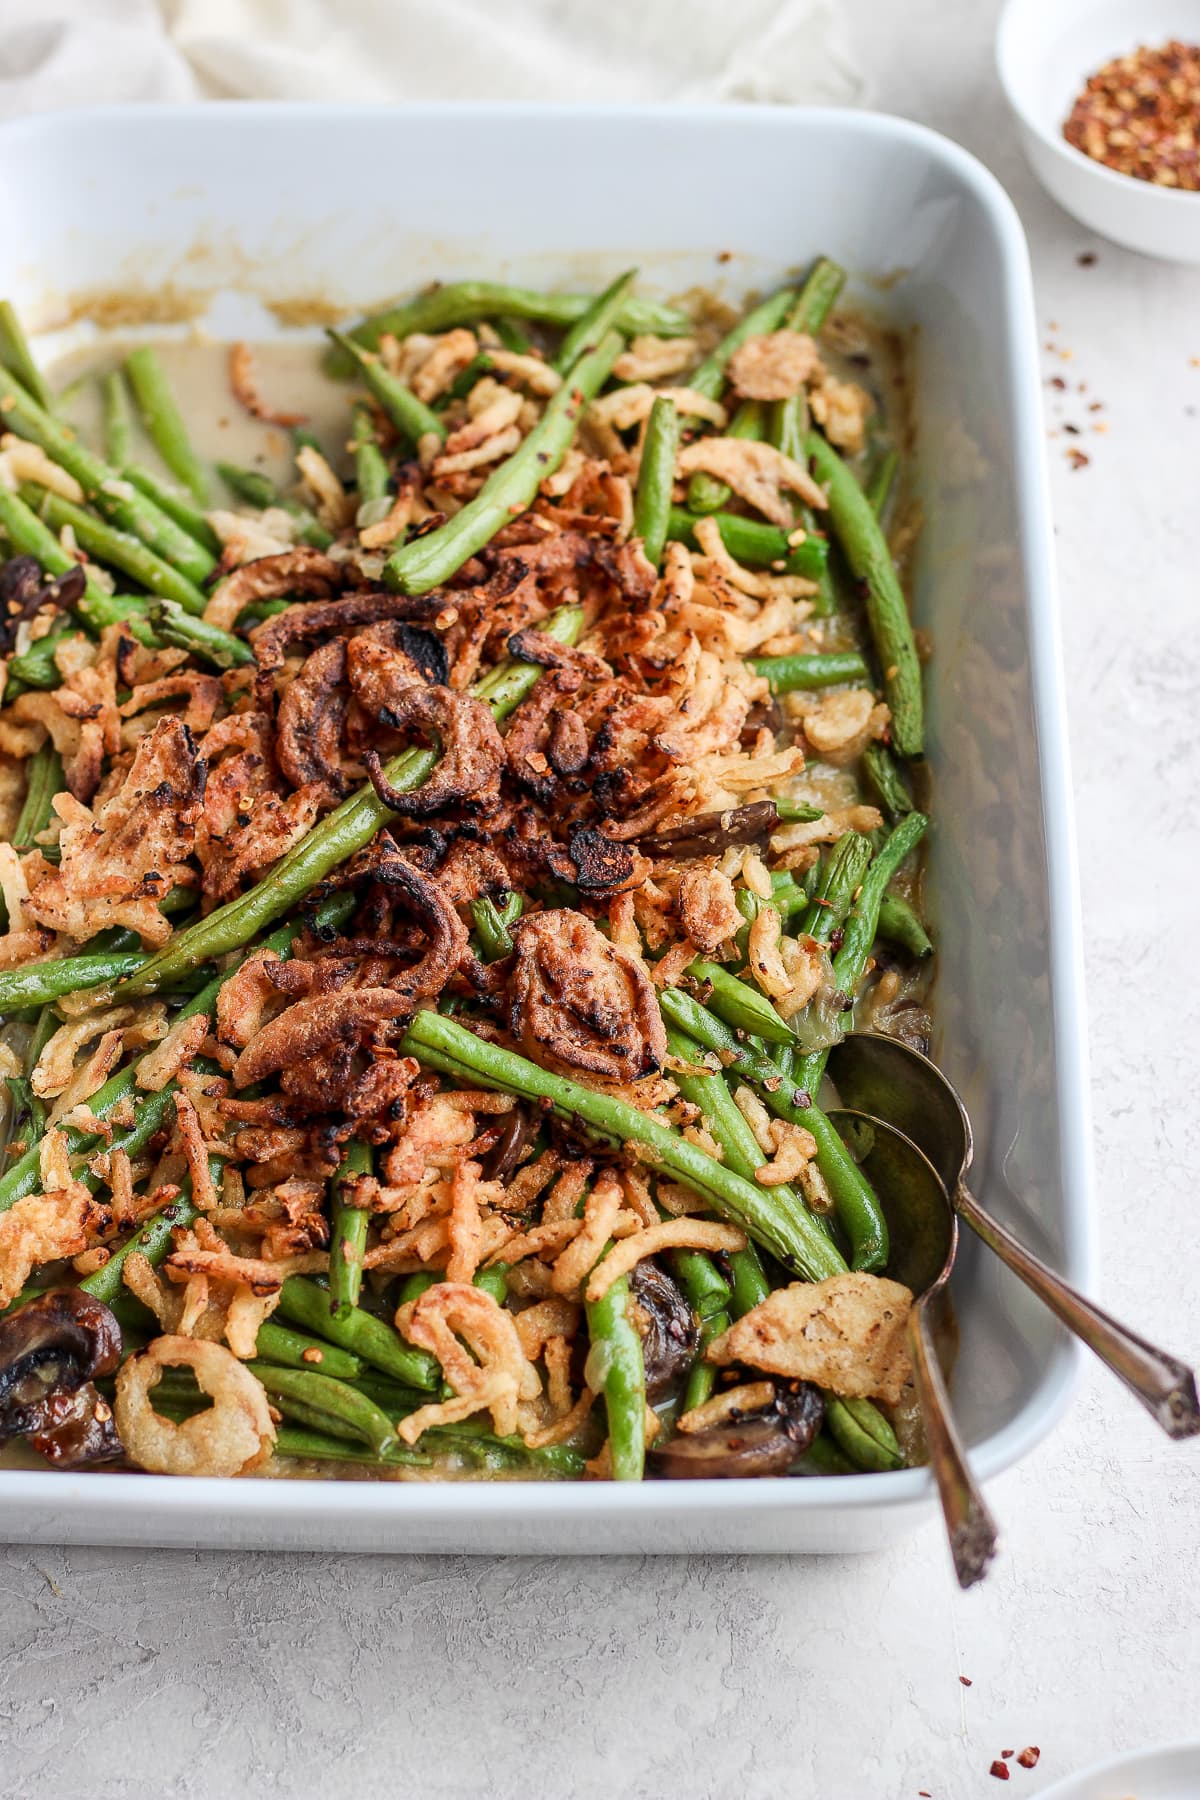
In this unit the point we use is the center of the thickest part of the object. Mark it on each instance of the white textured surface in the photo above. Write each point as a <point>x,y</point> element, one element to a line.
<point>126,1674</point>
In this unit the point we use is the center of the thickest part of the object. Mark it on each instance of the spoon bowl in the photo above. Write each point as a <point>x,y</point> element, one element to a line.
<point>883,1078</point>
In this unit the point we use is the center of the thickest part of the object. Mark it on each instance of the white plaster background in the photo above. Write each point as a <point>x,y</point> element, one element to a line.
<point>132,1676</point>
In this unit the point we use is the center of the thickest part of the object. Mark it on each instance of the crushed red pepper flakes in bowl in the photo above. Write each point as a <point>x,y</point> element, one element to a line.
<point>1138,115</point>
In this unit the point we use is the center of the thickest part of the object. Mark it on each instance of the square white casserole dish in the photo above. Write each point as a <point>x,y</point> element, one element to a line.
<point>355,205</point>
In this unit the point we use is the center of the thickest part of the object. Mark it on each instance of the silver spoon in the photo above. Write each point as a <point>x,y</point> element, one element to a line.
<point>923,1234</point>
<point>881,1076</point>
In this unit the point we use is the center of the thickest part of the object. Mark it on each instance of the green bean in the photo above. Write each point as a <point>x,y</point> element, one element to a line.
<point>842,875</point>
<point>344,1411</point>
<point>479,366</point>
<point>617,1366</point>
<point>178,507</point>
<point>857,1207</point>
<point>30,537</point>
<point>396,1400</point>
<point>37,984</point>
<point>428,561</point>
<point>708,1294</point>
<point>492,923</point>
<point>257,489</point>
<point>295,1350</point>
<point>349,828</point>
<point>880,484</point>
<point>656,478</point>
<point>119,549</point>
<point>466,302</point>
<point>755,543</point>
<point>208,642</point>
<point>120,502</point>
<point>739,1004</point>
<point>863,1434</point>
<point>493,1281</point>
<point>514,337</point>
<point>885,776</point>
<point>16,355</point>
<point>45,779</point>
<point>899,925</point>
<point>416,1284</point>
<point>708,494</point>
<point>862,920</point>
<point>789,418</point>
<point>870,560</point>
<point>118,424</point>
<point>411,417</point>
<point>792,1236</point>
<point>348,1232</point>
<point>164,421</point>
<point>25,1174</point>
<point>792,674</point>
<point>370,464</point>
<point>316,1446</point>
<point>750,1284</point>
<point>823,1457</point>
<point>306,1303</point>
<point>601,316</point>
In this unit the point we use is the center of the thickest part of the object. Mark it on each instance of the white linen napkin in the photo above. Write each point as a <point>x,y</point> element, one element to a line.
<point>58,53</point>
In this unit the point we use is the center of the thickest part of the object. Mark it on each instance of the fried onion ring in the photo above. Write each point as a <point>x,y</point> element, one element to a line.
<point>234,1436</point>
<point>472,751</point>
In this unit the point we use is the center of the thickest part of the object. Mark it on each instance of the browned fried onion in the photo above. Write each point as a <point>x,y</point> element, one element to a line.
<point>272,640</point>
<point>472,751</point>
<point>309,723</point>
<point>583,1001</point>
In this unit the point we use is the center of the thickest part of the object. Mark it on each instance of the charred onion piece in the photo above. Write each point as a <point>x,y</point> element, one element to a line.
<point>669,1332</point>
<point>768,1443</point>
<point>709,833</point>
<point>50,1350</point>
<point>311,716</point>
<point>272,640</point>
<point>472,751</point>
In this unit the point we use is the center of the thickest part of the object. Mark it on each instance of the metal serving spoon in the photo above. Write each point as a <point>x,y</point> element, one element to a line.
<point>923,1232</point>
<point>881,1077</point>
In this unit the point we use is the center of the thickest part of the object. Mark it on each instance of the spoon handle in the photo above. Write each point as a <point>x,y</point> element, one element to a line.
<point>969,1525</point>
<point>1165,1386</point>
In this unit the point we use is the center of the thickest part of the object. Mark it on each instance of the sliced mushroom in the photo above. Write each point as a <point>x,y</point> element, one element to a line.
<point>505,1153</point>
<point>669,1332</point>
<point>707,834</point>
<point>765,1443</point>
<point>50,1350</point>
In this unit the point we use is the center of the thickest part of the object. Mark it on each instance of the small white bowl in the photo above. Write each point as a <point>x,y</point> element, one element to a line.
<point>1045,51</point>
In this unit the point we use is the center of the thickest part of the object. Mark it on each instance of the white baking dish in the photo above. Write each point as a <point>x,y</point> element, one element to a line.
<point>356,205</point>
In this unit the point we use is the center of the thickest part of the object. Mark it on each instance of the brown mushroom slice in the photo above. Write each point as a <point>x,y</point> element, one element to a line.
<point>667,1326</point>
<point>764,1443</point>
<point>50,1350</point>
<point>707,834</point>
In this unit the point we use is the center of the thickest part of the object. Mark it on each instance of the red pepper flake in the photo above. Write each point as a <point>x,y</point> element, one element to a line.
<point>1028,1758</point>
<point>999,1770</point>
<point>1007,1753</point>
<point>1078,459</point>
<point>1138,113</point>
<point>1057,381</point>
<point>1087,259</point>
<point>966,1681</point>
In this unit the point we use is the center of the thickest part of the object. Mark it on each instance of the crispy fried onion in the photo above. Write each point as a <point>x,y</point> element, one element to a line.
<point>672,1234</point>
<point>479,1349</point>
<point>119,864</point>
<point>235,1435</point>
<point>323,1020</point>
<point>846,1333</point>
<point>757,472</point>
<point>299,571</point>
<point>243,379</point>
<point>580,1001</point>
<point>774,366</point>
<point>472,751</point>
